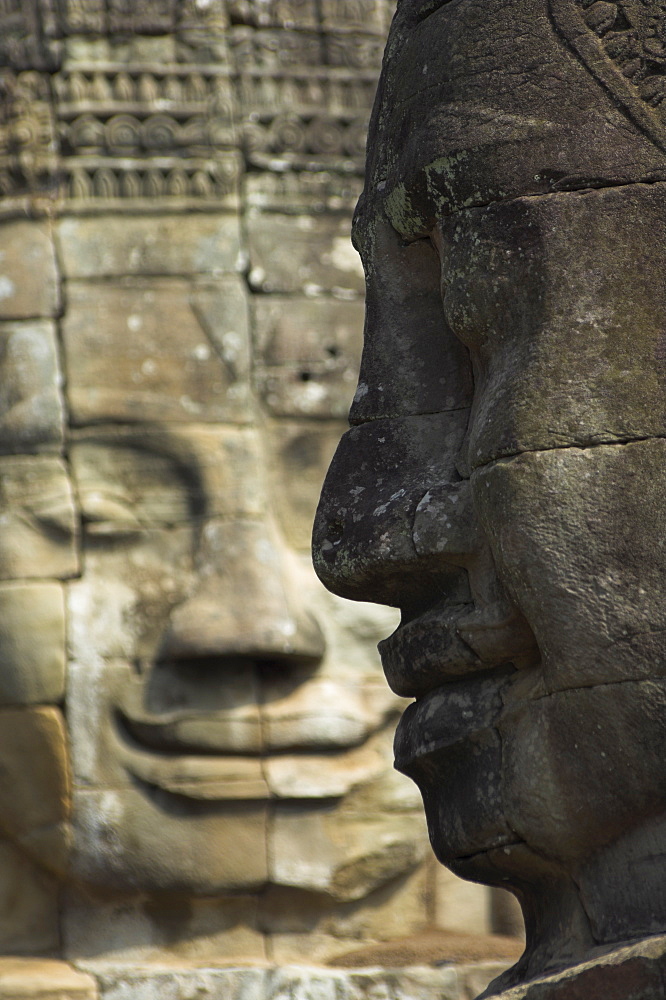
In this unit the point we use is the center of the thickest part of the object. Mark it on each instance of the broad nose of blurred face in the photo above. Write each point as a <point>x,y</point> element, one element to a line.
<point>248,601</point>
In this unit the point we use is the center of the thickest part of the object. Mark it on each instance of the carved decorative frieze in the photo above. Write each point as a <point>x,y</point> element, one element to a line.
<point>93,181</point>
<point>286,84</point>
<point>28,157</point>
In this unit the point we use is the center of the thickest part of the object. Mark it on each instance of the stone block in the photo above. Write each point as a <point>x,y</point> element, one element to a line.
<point>275,13</point>
<point>31,406</point>
<point>365,984</point>
<point>29,282</point>
<point>367,16</point>
<point>39,520</point>
<point>309,351</point>
<point>360,50</point>
<point>32,643</point>
<point>44,979</point>
<point>308,924</point>
<point>310,254</point>
<point>109,246</point>
<point>157,350</point>
<point>183,984</point>
<point>29,912</point>
<point>579,537</point>
<point>182,846</point>
<point>34,784</point>
<point>302,192</point>
<point>319,848</point>
<point>634,971</point>
<point>185,935</point>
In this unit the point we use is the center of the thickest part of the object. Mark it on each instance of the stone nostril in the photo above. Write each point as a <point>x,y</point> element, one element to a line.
<point>334,533</point>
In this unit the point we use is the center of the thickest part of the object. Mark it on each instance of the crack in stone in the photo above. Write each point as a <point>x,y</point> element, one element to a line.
<point>617,442</point>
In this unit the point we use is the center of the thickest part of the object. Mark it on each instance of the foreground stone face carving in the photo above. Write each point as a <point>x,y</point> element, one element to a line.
<point>503,479</point>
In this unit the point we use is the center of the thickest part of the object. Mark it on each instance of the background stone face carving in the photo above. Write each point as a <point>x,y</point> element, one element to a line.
<point>180,328</point>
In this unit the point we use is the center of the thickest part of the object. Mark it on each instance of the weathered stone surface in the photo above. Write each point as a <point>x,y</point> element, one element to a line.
<point>312,923</point>
<point>290,983</point>
<point>550,748</point>
<point>583,529</point>
<point>412,361</point>
<point>531,144</point>
<point>634,972</point>
<point>35,784</point>
<point>566,346</point>
<point>44,979</point>
<point>32,643</point>
<point>302,254</point>
<point>396,460</point>
<point>305,984</point>
<point>162,245</point>
<point>310,351</point>
<point>31,407</point>
<point>157,350</point>
<point>178,984</point>
<point>29,281</point>
<point>39,521</point>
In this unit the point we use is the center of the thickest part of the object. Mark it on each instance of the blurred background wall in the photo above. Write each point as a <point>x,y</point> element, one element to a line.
<point>181,325</point>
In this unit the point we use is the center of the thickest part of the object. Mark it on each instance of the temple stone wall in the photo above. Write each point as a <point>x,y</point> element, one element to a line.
<point>181,317</point>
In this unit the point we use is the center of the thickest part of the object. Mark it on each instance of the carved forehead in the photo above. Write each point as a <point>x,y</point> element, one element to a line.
<point>484,100</point>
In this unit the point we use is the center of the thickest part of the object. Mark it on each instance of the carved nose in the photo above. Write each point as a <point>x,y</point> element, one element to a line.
<point>366,543</point>
<point>247,603</point>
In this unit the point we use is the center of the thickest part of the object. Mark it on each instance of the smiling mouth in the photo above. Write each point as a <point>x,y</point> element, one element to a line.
<point>168,757</point>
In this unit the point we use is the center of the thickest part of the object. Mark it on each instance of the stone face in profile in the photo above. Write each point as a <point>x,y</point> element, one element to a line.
<point>503,479</point>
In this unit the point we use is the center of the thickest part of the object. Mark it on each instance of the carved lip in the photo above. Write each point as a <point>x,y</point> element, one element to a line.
<point>449,715</point>
<point>446,644</point>
<point>203,777</point>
